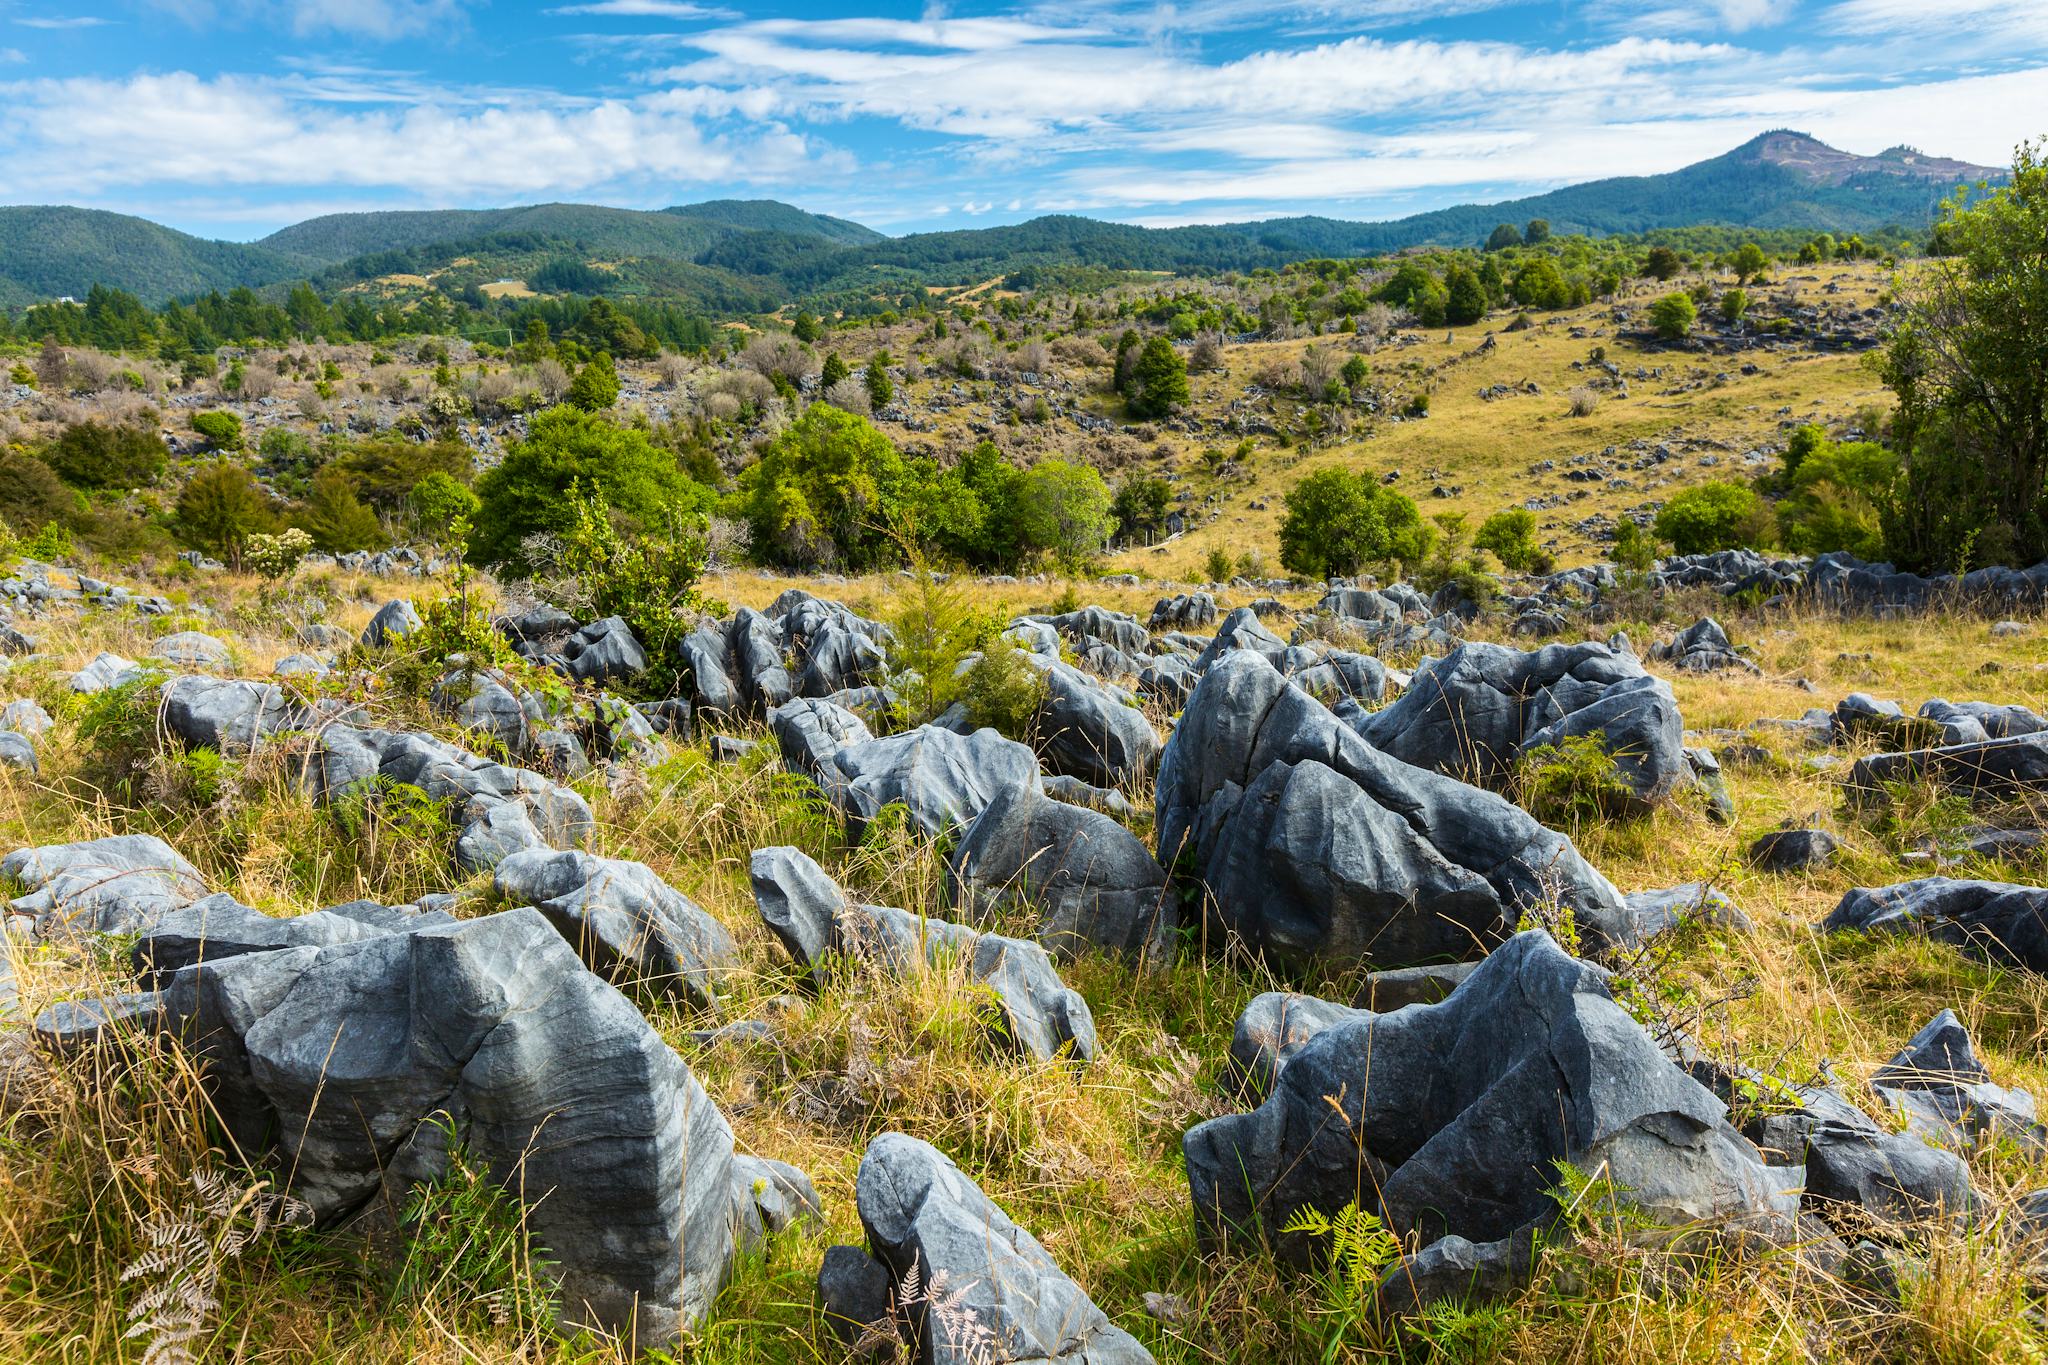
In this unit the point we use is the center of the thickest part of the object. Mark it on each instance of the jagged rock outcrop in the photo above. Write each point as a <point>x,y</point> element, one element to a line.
<point>628,924</point>
<point>1993,768</point>
<point>1092,882</point>
<point>360,1060</point>
<point>1703,647</point>
<point>1313,843</point>
<point>1944,1090</point>
<point>1033,1011</point>
<point>1473,713</point>
<point>1446,1120</point>
<point>2002,921</point>
<point>1015,1306</point>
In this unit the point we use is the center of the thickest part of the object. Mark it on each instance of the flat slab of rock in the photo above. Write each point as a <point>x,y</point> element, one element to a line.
<point>2005,922</point>
<point>122,884</point>
<point>1994,768</point>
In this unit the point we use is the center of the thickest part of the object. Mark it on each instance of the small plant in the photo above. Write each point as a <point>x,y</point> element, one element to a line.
<point>276,557</point>
<point>187,1253</point>
<point>1003,690</point>
<point>919,1308</point>
<point>468,1248</point>
<point>1572,780</point>
<point>1584,401</point>
<point>222,430</point>
<point>1360,1249</point>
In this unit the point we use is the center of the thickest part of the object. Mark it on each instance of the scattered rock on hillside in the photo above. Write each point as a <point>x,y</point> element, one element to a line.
<point>1007,1300</point>
<point>1703,647</point>
<point>394,621</point>
<point>1946,1094</point>
<point>1033,1010</point>
<point>1452,1115</point>
<point>1794,850</point>
<point>1994,768</point>
<point>1314,844</point>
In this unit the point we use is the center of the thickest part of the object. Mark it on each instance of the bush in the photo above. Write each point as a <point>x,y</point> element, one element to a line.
<point>31,494</point>
<point>1673,316</point>
<point>439,501</point>
<point>1004,690</point>
<point>1338,522</point>
<point>220,508</point>
<point>107,455</point>
<point>1734,303</point>
<point>646,577</point>
<point>1572,781</point>
<point>1713,516</point>
<point>1062,510</point>
<point>1510,536</point>
<point>1634,548</point>
<point>1837,496</point>
<point>823,493</point>
<point>222,430</point>
<point>1585,402</point>
<point>335,517</point>
<point>565,449</point>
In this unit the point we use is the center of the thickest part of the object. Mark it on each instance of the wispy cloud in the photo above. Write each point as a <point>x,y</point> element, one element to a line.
<point>11,56</point>
<point>647,9</point>
<point>88,136</point>
<point>46,21</point>
<point>379,19</point>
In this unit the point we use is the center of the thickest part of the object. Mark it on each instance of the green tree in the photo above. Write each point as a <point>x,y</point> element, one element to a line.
<point>596,386</point>
<point>1749,262</point>
<point>1634,548</point>
<point>1062,510</point>
<point>1837,497</point>
<point>1713,516</point>
<point>1734,303</point>
<point>439,501</point>
<point>833,371</point>
<point>1540,284</point>
<point>1503,237</point>
<point>1159,380</point>
<point>881,392</point>
<point>1803,444</point>
<point>1969,363</point>
<point>1464,297</point>
<point>107,455</point>
<point>1338,522</point>
<point>1510,536</point>
<point>335,517</point>
<point>1140,506</point>
<point>1355,371</point>
<point>1662,263</point>
<point>807,328</point>
<point>565,449</point>
<point>1673,316</point>
<point>1537,231</point>
<point>31,494</point>
<point>824,493</point>
<point>220,508</point>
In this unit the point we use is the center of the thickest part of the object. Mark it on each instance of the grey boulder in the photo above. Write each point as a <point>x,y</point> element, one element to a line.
<point>1031,1010</point>
<point>394,621</point>
<point>1092,882</point>
<point>1014,1304</point>
<point>628,924</point>
<point>122,884</point>
<point>604,651</point>
<point>231,715</point>
<point>2004,922</point>
<point>944,780</point>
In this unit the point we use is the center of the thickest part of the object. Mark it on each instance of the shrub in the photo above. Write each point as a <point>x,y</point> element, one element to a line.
<point>279,555</point>
<point>823,493</point>
<point>647,577</point>
<point>1585,402</point>
<point>31,494</point>
<point>222,430</point>
<point>565,448</point>
<point>1062,510</point>
<point>1573,780</point>
<point>1159,380</point>
<point>220,508</point>
<point>1673,316</point>
<point>1218,566</point>
<point>1510,536</point>
<point>439,501</point>
<point>1838,495</point>
<point>335,517</point>
<point>1734,303</point>
<point>1337,522</point>
<point>107,455</point>
<point>1004,690</point>
<point>1634,548</point>
<point>597,385</point>
<point>1713,516</point>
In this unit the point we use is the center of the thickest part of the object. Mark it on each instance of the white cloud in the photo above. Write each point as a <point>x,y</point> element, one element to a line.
<point>1957,21</point>
<point>64,22</point>
<point>88,136</point>
<point>380,19</point>
<point>9,56</point>
<point>646,9</point>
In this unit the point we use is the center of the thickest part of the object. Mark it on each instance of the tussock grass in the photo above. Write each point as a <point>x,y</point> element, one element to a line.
<point>95,1151</point>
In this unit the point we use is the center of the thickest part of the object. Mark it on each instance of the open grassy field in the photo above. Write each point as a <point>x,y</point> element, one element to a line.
<point>95,1157</point>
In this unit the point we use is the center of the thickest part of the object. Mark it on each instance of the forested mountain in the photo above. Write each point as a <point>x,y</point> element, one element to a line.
<point>48,252</point>
<point>752,255</point>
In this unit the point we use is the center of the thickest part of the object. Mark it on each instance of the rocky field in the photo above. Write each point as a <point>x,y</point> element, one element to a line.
<point>1314,972</point>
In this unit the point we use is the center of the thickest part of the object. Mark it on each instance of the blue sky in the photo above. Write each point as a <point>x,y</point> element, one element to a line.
<point>231,118</point>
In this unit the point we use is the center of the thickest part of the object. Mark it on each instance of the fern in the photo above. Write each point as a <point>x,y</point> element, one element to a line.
<point>187,1250</point>
<point>1360,1250</point>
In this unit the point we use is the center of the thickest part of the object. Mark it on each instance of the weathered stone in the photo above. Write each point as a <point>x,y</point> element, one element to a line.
<point>122,884</point>
<point>2006,923</point>
<point>394,621</point>
<point>1013,1304</point>
<point>628,924</point>
<point>1794,850</point>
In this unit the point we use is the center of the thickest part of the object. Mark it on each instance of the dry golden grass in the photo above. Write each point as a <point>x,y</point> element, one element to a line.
<point>1088,1159</point>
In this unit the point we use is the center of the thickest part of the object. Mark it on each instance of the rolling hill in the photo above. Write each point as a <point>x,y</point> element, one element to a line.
<point>760,251</point>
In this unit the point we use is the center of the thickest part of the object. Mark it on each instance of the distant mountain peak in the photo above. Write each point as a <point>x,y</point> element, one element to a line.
<point>1807,156</point>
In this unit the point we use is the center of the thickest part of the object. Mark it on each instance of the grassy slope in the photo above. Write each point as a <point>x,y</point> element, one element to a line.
<point>1088,1161</point>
